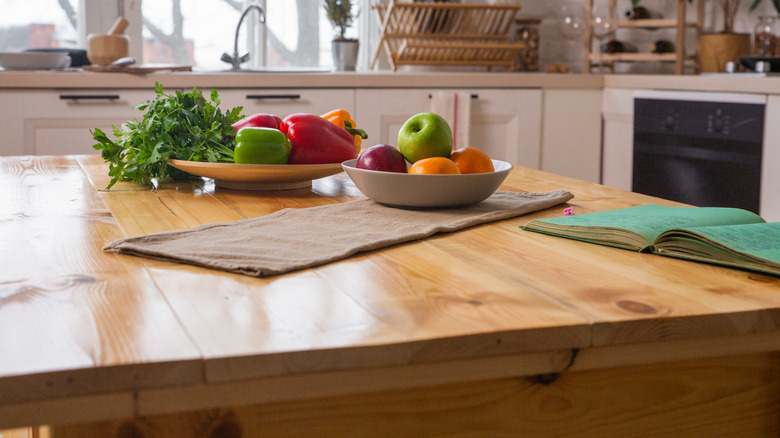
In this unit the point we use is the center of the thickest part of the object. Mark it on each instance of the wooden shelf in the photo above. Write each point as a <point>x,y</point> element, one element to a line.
<point>631,57</point>
<point>648,23</point>
<point>680,24</point>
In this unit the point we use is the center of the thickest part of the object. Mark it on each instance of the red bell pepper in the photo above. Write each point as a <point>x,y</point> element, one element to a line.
<point>260,120</point>
<point>315,140</point>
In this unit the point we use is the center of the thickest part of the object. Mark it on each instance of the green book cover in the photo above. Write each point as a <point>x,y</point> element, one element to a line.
<point>725,236</point>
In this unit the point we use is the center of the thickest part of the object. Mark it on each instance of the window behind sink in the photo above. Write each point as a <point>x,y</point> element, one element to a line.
<point>37,24</point>
<point>297,34</point>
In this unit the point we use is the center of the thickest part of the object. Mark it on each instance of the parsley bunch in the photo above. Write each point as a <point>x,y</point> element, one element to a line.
<point>183,126</point>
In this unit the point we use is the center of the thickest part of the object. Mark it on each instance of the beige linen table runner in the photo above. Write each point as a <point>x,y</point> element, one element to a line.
<point>292,239</point>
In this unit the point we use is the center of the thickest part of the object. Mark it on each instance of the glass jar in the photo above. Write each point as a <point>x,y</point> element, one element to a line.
<point>528,32</point>
<point>765,36</point>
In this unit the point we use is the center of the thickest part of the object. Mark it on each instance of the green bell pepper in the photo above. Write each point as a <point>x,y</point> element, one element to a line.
<point>256,145</point>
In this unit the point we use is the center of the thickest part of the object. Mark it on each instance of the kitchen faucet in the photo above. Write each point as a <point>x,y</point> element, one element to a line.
<point>235,61</point>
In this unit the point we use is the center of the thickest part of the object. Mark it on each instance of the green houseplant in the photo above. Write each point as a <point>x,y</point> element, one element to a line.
<point>716,49</point>
<point>341,14</point>
<point>730,8</point>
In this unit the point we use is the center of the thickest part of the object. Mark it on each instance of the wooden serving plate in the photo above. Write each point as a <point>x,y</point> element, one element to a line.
<point>258,176</point>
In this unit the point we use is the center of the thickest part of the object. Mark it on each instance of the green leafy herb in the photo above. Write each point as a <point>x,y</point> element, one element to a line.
<point>183,126</point>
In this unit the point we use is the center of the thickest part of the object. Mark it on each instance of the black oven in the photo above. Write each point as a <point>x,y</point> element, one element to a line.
<point>703,152</point>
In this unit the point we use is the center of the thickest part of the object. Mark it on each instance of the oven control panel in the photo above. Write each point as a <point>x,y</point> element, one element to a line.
<point>718,120</point>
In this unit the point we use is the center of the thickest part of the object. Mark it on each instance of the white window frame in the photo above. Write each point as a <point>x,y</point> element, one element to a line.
<point>99,15</point>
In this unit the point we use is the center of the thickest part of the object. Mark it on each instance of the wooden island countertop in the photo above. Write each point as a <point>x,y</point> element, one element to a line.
<point>490,331</point>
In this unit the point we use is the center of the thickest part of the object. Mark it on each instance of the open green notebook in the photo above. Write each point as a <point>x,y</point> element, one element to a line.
<point>724,236</point>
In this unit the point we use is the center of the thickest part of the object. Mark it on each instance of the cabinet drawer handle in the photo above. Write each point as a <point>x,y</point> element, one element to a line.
<point>473,96</point>
<point>89,96</point>
<point>274,96</point>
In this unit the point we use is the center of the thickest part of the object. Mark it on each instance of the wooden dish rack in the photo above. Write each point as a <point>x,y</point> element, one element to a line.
<point>451,34</point>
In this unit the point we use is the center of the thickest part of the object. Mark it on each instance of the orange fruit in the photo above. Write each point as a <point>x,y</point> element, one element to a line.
<point>472,160</point>
<point>434,166</point>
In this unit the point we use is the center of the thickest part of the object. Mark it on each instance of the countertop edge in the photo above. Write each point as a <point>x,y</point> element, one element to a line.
<point>716,83</point>
<point>96,80</point>
<point>76,79</point>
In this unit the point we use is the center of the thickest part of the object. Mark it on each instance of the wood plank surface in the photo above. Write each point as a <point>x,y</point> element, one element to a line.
<point>308,313</point>
<point>490,303</point>
<point>71,318</point>
<point>725,397</point>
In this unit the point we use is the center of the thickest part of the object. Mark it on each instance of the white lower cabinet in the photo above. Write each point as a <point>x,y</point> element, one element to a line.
<point>571,133</point>
<point>505,123</point>
<point>770,162</point>
<point>11,122</point>
<point>58,122</point>
<point>553,130</point>
<point>617,159</point>
<point>283,102</point>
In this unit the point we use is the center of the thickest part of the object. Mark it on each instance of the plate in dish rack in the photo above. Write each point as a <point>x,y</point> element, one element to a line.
<point>258,176</point>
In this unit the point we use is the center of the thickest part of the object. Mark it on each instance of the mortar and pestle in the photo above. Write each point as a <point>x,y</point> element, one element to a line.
<point>105,49</point>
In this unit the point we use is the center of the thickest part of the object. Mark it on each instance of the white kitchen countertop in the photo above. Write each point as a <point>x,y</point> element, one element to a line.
<point>95,80</point>
<point>80,79</point>
<point>741,83</point>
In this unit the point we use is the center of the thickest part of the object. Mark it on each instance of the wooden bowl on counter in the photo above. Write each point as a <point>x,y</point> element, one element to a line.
<point>105,49</point>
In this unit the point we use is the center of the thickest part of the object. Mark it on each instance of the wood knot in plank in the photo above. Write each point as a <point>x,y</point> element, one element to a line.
<point>637,307</point>
<point>763,278</point>
<point>544,379</point>
<point>226,429</point>
<point>129,429</point>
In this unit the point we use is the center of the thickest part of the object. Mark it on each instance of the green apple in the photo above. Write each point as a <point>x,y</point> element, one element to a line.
<point>425,135</point>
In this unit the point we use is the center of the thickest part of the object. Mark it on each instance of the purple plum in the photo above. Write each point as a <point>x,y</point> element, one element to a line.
<point>382,157</point>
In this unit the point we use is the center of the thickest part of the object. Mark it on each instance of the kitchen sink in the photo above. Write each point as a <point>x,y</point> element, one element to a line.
<point>270,70</point>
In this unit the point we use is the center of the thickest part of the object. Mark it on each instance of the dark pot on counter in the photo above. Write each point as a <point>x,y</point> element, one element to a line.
<point>78,57</point>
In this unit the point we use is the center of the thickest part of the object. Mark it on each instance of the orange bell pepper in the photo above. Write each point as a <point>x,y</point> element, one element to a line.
<point>340,117</point>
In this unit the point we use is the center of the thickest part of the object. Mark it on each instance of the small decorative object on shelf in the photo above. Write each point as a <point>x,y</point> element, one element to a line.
<point>615,46</point>
<point>765,36</point>
<point>570,20</point>
<point>528,32</point>
<point>642,13</point>
<point>661,46</point>
<point>603,26</point>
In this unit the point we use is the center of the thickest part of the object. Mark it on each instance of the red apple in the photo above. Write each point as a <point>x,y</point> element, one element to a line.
<point>382,157</point>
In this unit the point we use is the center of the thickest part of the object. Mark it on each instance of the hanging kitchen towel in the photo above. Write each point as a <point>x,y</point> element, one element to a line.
<point>292,239</point>
<point>461,134</point>
<point>455,107</point>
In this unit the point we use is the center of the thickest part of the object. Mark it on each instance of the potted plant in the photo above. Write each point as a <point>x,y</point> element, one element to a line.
<point>341,15</point>
<point>718,48</point>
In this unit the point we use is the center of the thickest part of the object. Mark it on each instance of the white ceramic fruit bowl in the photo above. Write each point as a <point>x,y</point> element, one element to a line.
<point>427,191</point>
